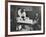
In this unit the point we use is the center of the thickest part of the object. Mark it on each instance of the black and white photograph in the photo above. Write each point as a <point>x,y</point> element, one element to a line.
<point>25,18</point>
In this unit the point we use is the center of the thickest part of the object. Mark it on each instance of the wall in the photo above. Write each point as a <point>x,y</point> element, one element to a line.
<point>2,19</point>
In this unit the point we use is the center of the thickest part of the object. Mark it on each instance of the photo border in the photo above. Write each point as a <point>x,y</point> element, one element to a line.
<point>6,17</point>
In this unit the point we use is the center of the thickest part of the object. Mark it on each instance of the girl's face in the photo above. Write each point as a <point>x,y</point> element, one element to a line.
<point>24,9</point>
<point>36,14</point>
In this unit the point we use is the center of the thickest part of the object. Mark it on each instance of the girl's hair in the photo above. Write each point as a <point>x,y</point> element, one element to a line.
<point>18,9</point>
<point>22,10</point>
